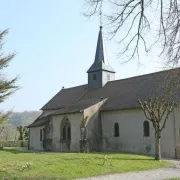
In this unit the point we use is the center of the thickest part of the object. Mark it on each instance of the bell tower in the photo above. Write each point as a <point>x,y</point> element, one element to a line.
<point>100,71</point>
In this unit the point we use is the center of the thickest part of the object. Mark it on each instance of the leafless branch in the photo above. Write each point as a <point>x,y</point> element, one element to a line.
<point>136,16</point>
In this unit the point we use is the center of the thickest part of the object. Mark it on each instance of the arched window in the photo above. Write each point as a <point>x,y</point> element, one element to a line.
<point>146,129</point>
<point>116,130</point>
<point>65,130</point>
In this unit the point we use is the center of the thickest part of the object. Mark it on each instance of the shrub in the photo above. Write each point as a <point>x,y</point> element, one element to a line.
<point>13,144</point>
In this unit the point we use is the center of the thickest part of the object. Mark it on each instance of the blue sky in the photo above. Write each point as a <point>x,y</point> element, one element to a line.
<point>55,45</point>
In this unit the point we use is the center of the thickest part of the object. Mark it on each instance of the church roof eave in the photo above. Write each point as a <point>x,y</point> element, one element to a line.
<point>98,67</point>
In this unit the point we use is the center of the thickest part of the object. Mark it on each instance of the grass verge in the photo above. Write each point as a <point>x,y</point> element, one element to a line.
<point>16,164</point>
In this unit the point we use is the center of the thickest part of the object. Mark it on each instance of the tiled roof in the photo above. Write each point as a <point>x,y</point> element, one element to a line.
<point>120,94</point>
<point>41,121</point>
<point>73,108</point>
<point>77,107</point>
<point>65,97</point>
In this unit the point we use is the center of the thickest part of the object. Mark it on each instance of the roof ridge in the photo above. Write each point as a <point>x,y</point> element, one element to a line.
<point>74,87</point>
<point>143,75</point>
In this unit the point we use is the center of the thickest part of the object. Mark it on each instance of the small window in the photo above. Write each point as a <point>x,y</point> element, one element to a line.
<point>94,76</point>
<point>146,129</point>
<point>116,130</point>
<point>41,134</point>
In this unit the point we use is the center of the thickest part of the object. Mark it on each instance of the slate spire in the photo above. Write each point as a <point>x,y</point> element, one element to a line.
<point>100,62</point>
<point>100,71</point>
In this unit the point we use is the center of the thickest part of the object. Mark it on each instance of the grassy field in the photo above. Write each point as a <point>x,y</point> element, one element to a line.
<point>15,164</point>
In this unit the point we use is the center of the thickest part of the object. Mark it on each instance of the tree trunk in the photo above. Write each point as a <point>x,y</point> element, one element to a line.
<point>157,146</point>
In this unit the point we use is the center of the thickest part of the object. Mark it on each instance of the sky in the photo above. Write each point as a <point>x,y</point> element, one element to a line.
<point>55,45</point>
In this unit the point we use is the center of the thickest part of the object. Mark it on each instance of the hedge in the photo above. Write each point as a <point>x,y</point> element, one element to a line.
<point>13,143</point>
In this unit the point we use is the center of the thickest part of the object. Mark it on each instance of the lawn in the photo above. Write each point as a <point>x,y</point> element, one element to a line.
<point>16,164</point>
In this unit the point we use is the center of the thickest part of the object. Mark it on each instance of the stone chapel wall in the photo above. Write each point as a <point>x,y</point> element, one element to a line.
<point>34,142</point>
<point>75,121</point>
<point>93,127</point>
<point>131,138</point>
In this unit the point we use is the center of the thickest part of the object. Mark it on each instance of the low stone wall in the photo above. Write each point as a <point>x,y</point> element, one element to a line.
<point>13,143</point>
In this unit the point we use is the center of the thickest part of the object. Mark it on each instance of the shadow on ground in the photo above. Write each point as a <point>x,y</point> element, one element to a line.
<point>15,151</point>
<point>86,156</point>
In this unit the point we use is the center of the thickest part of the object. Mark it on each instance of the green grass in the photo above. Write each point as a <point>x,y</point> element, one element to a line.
<point>16,164</point>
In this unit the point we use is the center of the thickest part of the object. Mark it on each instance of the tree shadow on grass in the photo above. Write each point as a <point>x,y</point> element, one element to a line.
<point>113,158</point>
<point>15,150</point>
<point>111,154</point>
<point>86,156</point>
<point>21,151</point>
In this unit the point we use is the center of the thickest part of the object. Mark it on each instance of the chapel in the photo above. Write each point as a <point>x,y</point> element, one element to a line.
<point>103,115</point>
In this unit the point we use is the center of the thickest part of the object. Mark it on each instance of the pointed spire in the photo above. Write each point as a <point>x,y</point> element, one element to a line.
<point>100,62</point>
<point>100,50</point>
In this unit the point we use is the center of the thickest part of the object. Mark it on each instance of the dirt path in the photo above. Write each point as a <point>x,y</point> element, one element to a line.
<point>158,174</point>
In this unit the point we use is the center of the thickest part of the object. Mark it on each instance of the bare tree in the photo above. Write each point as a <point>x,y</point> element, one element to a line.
<point>8,132</point>
<point>135,17</point>
<point>157,112</point>
<point>141,19</point>
<point>162,102</point>
<point>7,87</point>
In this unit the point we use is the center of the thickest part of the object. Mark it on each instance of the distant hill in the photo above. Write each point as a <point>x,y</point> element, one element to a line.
<point>23,118</point>
<point>8,130</point>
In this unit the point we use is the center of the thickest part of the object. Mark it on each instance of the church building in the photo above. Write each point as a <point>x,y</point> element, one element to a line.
<point>103,115</point>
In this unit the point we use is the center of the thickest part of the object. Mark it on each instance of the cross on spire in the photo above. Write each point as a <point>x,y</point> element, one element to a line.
<point>100,17</point>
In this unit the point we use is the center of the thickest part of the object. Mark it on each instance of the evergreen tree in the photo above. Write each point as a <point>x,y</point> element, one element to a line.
<point>7,86</point>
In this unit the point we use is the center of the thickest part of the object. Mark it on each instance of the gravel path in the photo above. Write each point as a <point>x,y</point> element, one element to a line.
<point>158,174</point>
